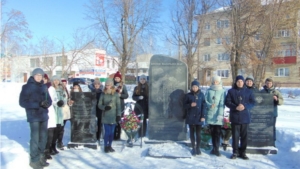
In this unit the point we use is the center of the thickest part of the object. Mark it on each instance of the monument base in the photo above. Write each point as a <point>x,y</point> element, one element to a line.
<point>82,145</point>
<point>262,150</point>
<point>168,149</point>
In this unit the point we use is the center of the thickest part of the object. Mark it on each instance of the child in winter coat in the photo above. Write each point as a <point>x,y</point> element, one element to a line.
<point>215,100</point>
<point>59,112</point>
<point>195,106</point>
<point>110,105</point>
<point>34,97</point>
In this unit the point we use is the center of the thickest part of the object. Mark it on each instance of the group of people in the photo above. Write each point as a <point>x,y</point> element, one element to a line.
<point>209,108</point>
<point>47,104</point>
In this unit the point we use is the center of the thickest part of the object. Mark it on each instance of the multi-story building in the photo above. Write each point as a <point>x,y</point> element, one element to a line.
<point>214,50</point>
<point>89,63</point>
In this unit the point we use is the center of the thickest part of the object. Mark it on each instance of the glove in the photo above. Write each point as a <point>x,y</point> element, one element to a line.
<point>107,108</point>
<point>118,119</point>
<point>60,103</point>
<point>141,97</point>
<point>44,104</point>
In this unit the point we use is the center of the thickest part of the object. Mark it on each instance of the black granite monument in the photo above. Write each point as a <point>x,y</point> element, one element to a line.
<point>83,120</point>
<point>168,85</point>
<point>260,133</point>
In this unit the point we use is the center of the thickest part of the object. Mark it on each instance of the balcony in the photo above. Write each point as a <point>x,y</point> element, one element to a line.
<point>285,60</point>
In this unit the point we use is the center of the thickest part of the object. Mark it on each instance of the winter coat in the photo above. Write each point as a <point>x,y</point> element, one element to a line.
<point>143,103</point>
<point>98,94</point>
<point>215,96</point>
<point>272,91</point>
<point>32,94</point>
<point>66,109</point>
<point>253,88</point>
<point>109,116</point>
<point>236,96</point>
<point>194,114</point>
<point>52,113</point>
<point>59,110</point>
<point>121,88</point>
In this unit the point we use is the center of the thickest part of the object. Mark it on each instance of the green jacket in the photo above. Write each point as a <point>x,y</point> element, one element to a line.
<point>109,116</point>
<point>272,91</point>
<point>215,115</point>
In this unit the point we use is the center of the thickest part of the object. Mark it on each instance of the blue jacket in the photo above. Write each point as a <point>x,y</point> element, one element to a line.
<point>194,114</point>
<point>236,96</point>
<point>32,94</point>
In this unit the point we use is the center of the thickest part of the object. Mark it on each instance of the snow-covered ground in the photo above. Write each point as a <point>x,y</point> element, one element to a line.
<point>15,144</point>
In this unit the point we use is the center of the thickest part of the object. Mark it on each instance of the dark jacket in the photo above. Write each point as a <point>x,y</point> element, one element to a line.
<point>194,114</point>
<point>253,88</point>
<point>273,92</point>
<point>143,104</point>
<point>32,94</point>
<point>236,96</point>
<point>124,93</point>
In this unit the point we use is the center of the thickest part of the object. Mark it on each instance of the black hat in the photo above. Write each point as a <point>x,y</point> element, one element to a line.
<point>75,83</point>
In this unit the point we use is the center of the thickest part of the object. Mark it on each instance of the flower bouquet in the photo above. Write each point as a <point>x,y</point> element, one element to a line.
<point>226,132</point>
<point>205,137</point>
<point>130,124</point>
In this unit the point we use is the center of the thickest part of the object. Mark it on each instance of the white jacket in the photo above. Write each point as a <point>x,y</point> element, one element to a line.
<point>52,113</point>
<point>66,108</point>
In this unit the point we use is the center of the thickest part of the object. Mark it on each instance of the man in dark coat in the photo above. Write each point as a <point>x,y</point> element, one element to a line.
<point>239,100</point>
<point>34,97</point>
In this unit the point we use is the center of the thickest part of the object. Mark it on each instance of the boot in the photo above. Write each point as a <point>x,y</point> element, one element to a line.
<point>212,151</point>
<point>193,152</point>
<point>43,161</point>
<point>35,165</point>
<point>110,149</point>
<point>198,151</point>
<point>47,154</point>
<point>60,144</point>
<point>53,150</point>
<point>106,149</point>
<point>224,146</point>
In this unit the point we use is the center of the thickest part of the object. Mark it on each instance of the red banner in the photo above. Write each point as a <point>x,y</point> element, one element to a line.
<point>99,59</point>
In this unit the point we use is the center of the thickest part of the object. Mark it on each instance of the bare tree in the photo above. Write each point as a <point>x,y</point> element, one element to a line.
<point>120,22</point>
<point>186,30</point>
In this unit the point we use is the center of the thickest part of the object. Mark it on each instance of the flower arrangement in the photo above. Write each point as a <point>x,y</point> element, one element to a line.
<point>130,122</point>
<point>206,129</point>
<point>226,124</point>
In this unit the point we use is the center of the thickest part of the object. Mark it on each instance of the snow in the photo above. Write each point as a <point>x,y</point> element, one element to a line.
<point>15,144</point>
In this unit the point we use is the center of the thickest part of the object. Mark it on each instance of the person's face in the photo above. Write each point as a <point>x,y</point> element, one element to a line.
<point>107,86</point>
<point>64,83</point>
<point>38,78</point>
<point>56,82</point>
<point>216,82</point>
<point>97,85</point>
<point>240,83</point>
<point>143,81</point>
<point>117,79</point>
<point>195,88</point>
<point>269,84</point>
<point>45,80</point>
<point>76,87</point>
<point>249,83</point>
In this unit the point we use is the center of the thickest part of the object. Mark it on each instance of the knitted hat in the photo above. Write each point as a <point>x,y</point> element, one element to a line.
<point>63,80</point>
<point>109,82</point>
<point>118,74</point>
<point>250,78</point>
<point>269,80</point>
<point>46,76</point>
<point>195,83</point>
<point>239,77</point>
<point>143,77</point>
<point>38,71</point>
<point>97,81</point>
<point>216,78</point>
<point>55,77</point>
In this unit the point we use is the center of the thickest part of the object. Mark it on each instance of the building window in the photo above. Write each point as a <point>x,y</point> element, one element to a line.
<point>58,60</point>
<point>35,62</point>
<point>257,36</point>
<point>107,62</point>
<point>222,24</point>
<point>219,41</point>
<point>48,61</point>
<point>227,40</point>
<point>223,73</point>
<point>206,41</point>
<point>282,33</point>
<point>223,56</point>
<point>282,72</point>
<point>113,64</point>
<point>206,57</point>
<point>207,26</point>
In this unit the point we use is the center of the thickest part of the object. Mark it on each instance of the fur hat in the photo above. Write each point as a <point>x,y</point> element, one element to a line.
<point>250,78</point>
<point>97,81</point>
<point>55,77</point>
<point>109,82</point>
<point>143,77</point>
<point>46,76</point>
<point>195,83</point>
<point>38,71</point>
<point>118,74</point>
<point>239,77</point>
